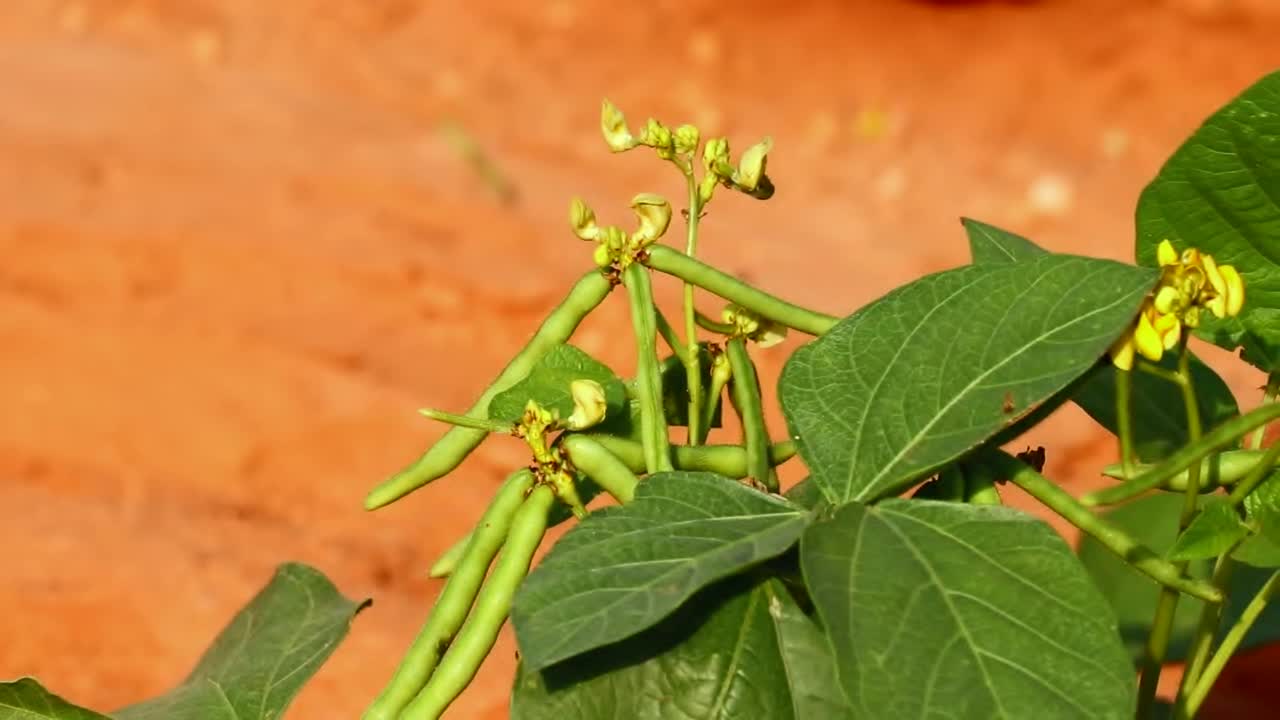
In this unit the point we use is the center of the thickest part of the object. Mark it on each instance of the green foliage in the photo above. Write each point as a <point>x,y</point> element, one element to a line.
<point>1133,596</point>
<point>739,649</point>
<point>933,369</point>
<point>1220,192</point>
<point>1214,531</point>
<point>962,610</point>
<point>252,671</point>
<point>548,385</point>
<point>623,569</point>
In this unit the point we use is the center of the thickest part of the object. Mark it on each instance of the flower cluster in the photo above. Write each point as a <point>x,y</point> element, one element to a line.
<point>1188,283</point>
<point>680,145</point>
<point>760,330</point>
<point>614,246</point>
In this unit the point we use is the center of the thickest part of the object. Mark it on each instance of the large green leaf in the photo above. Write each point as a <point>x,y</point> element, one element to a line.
<point>548,384</point>
<point>260,661</point>
<point>1153,521</point>
<point>938,609</point>
<point>1159,416</point>
<point>740,649</point>
<point>1220,192</point>
<point>935,368</point>
<point>624,568</point>
<point>990,244</point>
<point>25,699</point>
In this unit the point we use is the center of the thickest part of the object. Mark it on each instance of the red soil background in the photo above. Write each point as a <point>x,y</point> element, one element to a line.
<point>238,253</point>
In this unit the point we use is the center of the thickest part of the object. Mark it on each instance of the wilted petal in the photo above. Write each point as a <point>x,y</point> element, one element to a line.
<point>583,220</point>
<point>613,124</point>
<point>654,213</point>
<point>751,165</point>
<point>589,404</point>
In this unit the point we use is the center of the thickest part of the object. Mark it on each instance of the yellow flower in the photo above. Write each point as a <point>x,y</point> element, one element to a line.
<point>613,124</point>
<point>583,220</point>
<point>1188,282</point>
<point>654,213</point>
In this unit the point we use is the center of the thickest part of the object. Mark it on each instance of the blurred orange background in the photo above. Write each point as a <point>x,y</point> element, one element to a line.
<point>239,250</point>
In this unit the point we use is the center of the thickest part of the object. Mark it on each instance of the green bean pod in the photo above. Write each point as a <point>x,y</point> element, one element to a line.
<point>448,560</point>
<point>727,460</point>
<point>455,599</point>
<point>745,392</point>
<point>602,466</point>
<point>1223,469</point>
<point>672,262</point>
<point>457,443</point>
<point>653,419</point>
<point>478,636</point>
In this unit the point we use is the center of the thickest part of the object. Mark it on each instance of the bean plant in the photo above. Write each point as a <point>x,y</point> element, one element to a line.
<point>892,581</point>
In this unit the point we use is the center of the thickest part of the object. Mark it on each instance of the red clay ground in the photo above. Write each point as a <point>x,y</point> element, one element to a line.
<point>238,254</point>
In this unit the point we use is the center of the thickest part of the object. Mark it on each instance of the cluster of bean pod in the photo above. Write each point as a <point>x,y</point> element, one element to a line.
<point>471,610</point>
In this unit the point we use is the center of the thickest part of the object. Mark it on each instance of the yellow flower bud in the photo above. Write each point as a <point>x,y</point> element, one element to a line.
<point>715,158</point>
<point>654,213</point>
<point>1122,352</point>
<point>1146,340</point>
<point>1167,299</point>
<point>752,164</point>
<point>589,404</point>
<point>601,256</point>
<point>657,136</point>
<point>686,139</point>
<point>613,124</point>
<point>583,220</point>
<point>1165,254</point>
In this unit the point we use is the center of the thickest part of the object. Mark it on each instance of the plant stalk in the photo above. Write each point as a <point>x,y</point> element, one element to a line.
<point>1230,643</point>
<point>692,358</point>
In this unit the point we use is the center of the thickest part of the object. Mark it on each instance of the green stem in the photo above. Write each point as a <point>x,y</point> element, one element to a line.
<point>710,325</point>
<point>1260,472</point>
<point>1141,557</point>
<point>1260,434</point>
<point>671,262</point>
<point>454,447</point>
<point>692,357</point>
<point>1167,605</point>
<point>1230,643</point>
<point>745,392</point>
<point>727,460</point>
<point>1216,439</point>
<point>1124,418</point>
<point>466,421</point>
<point>653,419</point>
<point>1206,629</point>
<point>668,334</point>
<point>720,375</point>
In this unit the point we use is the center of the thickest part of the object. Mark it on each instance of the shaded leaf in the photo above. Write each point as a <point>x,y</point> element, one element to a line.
<point>1262,506</point>
<point>1220,192</point>
<point>1258,551</point>
<point>624,568</point>
<point>1159,414</point>
<point>806,494</point>
<point>548,384</point>
<point>949,610</point>
<point>1213,531</point>
<point>724,654</point>
<point>260,661</point>
<point>930,371</point>
<point>1153,521</point>
<point>26,699</point>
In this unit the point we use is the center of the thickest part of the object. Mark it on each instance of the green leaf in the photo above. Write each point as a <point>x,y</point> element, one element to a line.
<point>1258,551</point>
<point>1159,416</point>
<point>1153,521</point>
<point>990,244</point>
<point>1262,507</point>
<point>738,649</point>
<point>938,609</point>
<point>1159,413</point>
<point>806,494</point>
<point>930,371</point>
<point>548,384</point>
<point>260,661</point>
<point>624,568</point>
<point>1220,192</point>
<point>25,699</point>
<point>1213,531</point>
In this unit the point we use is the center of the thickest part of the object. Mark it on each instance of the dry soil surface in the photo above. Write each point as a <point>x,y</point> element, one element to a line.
<point>238,252</point>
